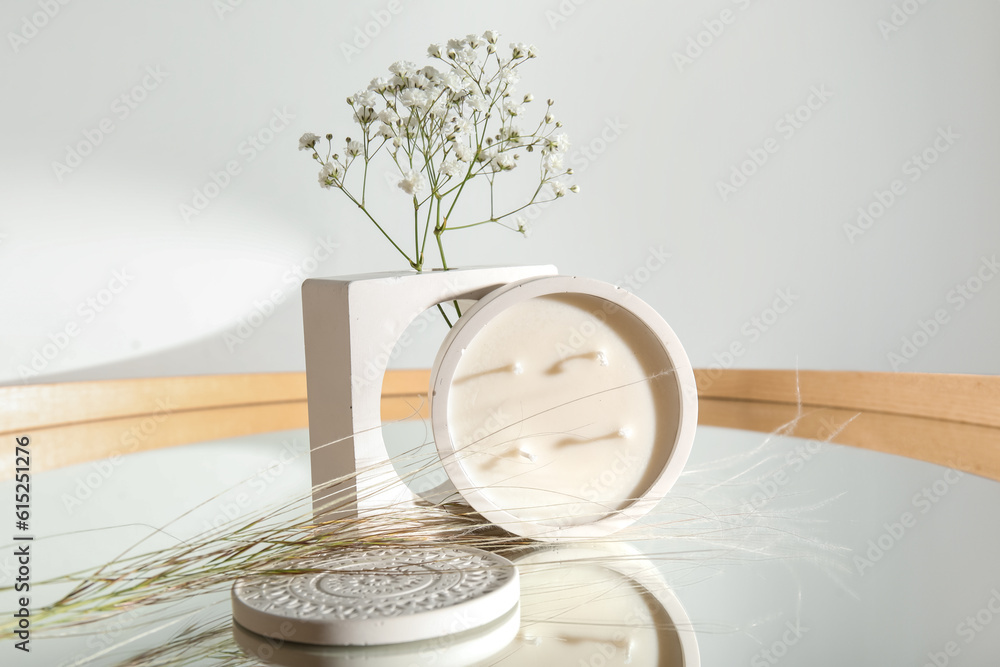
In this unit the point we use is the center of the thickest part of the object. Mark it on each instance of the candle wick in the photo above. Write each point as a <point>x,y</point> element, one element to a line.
<point>602,358</point>
<point>624,432</point>
<point>518,368</point>
<point>526,454</point>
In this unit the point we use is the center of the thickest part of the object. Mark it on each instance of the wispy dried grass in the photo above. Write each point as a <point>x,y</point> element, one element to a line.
<point>694,526</point>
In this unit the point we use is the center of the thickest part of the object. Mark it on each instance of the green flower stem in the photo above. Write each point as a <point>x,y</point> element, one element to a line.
<point>416,230</point>
<point>445,316</point>
<point>507,214</point>
<point>364,182</point>
<point>438,231</point>
<point>365,211</point>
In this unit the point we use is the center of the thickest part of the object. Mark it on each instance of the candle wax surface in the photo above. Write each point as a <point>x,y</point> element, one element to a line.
<point>563,408</point>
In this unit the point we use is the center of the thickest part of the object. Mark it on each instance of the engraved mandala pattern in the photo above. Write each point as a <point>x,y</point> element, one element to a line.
<point>377,583</point>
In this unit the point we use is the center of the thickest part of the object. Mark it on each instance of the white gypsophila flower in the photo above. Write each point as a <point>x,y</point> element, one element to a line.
<point>503,161</point>
<point>366,98</point>
<point>431,73</point>
<point>411,124</point>
<point>420,81</point>
<point>486,155</point>
<point>413,183</point>
<point>451,167</point>
<point>364,115</point>
<point>308,141</point>
<point>378,85</point>
<point>512,135</point>
<point>509,75</point>
<point>459,125</point>
<point>518,50</point>
<point>558,188</point>
<point>574,188</point>
<point>463,151</point>
<point>354,148</point>
<point>491,36</point>
<point>330,174</point>
<point>439,107</point>
<point>477,102</point>
<point>465,56</point>
<point>413,97</point>
<point>388,116</point>
<point>512,107</point>
<point>559,143</point>
<point>454,82</point>
<point>474,41</point>
<point>435,51</point>
<point>403,68</point>
<point>396,83</point>
<point>522,224</point>
<point>386,131</point>
<point>553,162</point>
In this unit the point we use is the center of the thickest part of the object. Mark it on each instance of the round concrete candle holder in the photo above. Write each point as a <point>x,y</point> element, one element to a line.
<point>562,407</point>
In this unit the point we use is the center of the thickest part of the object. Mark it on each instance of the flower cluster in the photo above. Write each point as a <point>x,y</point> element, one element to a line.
<point>444,125</point>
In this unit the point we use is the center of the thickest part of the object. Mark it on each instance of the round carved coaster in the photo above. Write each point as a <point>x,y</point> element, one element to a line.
<point>378,596</point>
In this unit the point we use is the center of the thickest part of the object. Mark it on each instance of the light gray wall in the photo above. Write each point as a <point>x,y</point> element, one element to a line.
<point>660,135</point>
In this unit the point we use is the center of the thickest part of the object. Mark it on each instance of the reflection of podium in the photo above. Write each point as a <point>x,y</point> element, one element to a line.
<point>352,323</point>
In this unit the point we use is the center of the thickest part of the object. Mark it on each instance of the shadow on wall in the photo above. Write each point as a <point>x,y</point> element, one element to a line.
<point>259,341</point>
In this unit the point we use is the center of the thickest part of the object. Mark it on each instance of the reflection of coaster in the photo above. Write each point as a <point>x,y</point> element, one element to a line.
<point>378,596</point>
<point>472,647</point>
